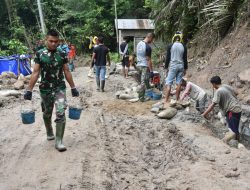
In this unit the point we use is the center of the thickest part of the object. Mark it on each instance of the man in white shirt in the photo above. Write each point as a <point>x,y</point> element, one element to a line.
<point>144,64</point>
<point>196,93</point>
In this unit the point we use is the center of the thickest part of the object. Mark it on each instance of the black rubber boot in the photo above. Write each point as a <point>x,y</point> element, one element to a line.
<point>102,85</point>
<point>98,84</point>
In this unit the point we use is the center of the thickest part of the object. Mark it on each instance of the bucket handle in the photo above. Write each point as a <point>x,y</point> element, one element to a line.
<point>22,100</point>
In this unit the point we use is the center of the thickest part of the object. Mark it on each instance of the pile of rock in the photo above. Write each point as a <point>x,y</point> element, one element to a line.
<point>10,80</point>
<point>169,112</point>
<point>129,94</point>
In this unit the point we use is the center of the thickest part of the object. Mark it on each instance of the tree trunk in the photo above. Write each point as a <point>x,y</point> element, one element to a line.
<point>9,7</point>
<point>27,38</point>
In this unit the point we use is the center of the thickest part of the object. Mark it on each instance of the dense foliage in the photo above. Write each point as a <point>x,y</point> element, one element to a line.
<point>75,20</point>
<point>190,16</point>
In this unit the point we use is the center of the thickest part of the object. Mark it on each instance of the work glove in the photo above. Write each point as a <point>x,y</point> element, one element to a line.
<point>28,95</point>
<point>151,75</point>
<point>74,92</point>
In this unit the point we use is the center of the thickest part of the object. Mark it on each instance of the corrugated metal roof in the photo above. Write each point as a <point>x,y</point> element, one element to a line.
<point>133,24</point>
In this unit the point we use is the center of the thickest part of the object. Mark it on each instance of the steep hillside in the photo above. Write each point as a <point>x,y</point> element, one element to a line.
<point>230,59</point>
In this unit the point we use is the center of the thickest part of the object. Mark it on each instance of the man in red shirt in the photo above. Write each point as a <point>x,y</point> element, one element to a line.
<point>72,55</point>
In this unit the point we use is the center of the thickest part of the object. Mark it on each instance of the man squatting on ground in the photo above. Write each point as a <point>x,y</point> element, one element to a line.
<point>51,62</point>
<point>196,93</point>
<point>176,64</point>
<point>125,57</point>
<point>100,58</point>
<point>144,64</point>
<point>225,97</point>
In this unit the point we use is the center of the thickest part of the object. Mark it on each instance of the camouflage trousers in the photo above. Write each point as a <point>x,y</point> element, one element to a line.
<point>49,99</point>
<point>143,73</point>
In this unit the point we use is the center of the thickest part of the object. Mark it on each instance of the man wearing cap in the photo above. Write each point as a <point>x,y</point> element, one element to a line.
<point>196,93</point>
<point>225,97</point>
<point>93,44</point>
<point>176,64</point>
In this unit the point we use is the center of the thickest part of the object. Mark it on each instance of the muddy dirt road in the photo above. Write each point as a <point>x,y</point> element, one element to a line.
<point>117,145</point>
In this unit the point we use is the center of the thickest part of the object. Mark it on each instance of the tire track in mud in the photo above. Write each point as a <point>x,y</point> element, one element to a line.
<point>107,166</point>
<point>141,153</point>
<point>96,167</point>
<point>86,181</point>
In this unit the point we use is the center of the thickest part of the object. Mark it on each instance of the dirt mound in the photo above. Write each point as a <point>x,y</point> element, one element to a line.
<point>120,106</point>
<point>228,60</point>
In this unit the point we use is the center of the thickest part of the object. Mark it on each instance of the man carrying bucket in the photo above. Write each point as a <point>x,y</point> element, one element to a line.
<point>51,62</point>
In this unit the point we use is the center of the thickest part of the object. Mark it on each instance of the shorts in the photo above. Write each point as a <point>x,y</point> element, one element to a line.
<point>125,61</point>
<point>176,72</point>
<point>233,121</point>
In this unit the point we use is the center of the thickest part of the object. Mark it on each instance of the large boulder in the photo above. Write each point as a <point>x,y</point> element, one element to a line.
<point>169,113</point>
<point>19,85</point>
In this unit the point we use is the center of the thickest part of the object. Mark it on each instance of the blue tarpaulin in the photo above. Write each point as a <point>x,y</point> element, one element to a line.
<point>10,64</point>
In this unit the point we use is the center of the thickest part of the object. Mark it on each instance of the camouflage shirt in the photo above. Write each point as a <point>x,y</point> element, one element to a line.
<point>51,64</point>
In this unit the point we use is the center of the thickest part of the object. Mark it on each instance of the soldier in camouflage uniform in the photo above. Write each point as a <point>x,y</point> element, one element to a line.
<point>144,64</point>
<point>51,62</point>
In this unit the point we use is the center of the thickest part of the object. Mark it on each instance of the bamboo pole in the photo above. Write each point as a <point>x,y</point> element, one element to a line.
<point>41,16</point>
<point>116,27</point>
<point>18,66</point>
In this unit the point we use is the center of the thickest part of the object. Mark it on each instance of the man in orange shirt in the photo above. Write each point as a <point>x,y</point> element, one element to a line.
<point>72,55</point>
